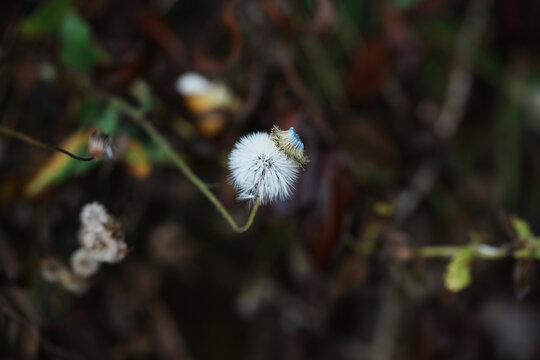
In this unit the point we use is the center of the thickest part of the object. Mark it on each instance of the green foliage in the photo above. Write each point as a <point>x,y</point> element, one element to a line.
<point>78,51</point>
<point>458,271</point>
<point>108,121</point>
<point>142,93</point>
<point>521,227</point>
<point>46,20</point>
<point>404,4</point>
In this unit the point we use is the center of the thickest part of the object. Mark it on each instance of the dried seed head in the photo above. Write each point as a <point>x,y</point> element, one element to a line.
<point>102,246</point>
<point>99,145</point>
<point>101,234</point>
<point>94,216</point>
<point>73,282</point>
<point>84,263</point>
<point>289,142</point>
<point>52,269</point>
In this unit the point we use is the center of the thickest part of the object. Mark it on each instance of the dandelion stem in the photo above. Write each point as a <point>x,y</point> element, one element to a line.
<point>139,118</point>
<point>29,140</point>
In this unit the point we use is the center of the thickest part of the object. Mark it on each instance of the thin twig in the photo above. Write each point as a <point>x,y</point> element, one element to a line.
<point>460,83</point>
<point>29,140</point>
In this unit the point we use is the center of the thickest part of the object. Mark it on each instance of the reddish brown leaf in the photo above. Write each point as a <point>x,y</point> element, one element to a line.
<point>368,70</point>
<point>325,220</point>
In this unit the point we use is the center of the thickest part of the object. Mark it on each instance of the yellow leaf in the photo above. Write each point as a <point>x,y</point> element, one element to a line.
<point>458,272</point>
<point>58,166</point>
<point>136,160</point>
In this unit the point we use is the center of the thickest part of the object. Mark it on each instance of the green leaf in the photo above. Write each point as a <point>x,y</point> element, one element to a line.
<point>93,114</point>
<point>404,4</point>
<point>521,227</point>
<point>78,52</point>
<point>46,20</point>
<point>108,120</point>
<point>458,272</point>
<point>142,93</point>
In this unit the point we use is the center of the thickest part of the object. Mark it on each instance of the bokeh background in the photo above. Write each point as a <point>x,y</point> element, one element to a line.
<point>422,122</point>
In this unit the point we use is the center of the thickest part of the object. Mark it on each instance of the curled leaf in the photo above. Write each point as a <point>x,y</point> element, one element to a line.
<point>521,227</point>
<point>458,272</point>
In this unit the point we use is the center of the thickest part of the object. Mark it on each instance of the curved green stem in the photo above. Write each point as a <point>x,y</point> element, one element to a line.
<point>138,117</point>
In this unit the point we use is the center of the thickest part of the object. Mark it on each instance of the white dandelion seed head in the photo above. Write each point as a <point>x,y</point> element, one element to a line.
<point>94,215</point>
<point>260,170</point>
<point>84,263</point>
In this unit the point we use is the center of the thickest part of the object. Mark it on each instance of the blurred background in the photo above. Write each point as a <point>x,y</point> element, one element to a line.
<point>421,119</point>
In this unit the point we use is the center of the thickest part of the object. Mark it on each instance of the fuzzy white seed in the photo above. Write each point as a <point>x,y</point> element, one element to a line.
<point>102,246</point>
<point>84,263</point>
<point>94,215</point>
<point>260,170</point>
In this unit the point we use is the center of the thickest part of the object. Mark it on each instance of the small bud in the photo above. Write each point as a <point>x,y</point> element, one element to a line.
<point>99,145</point>
<point>290,144</point>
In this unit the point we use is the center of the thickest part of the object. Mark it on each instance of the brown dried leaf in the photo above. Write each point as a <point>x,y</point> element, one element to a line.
<point>368,70</point>
<point>324,222</point>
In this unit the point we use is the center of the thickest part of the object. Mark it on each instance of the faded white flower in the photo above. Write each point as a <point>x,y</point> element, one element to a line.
<point>84,263</point>
<point>259,170</point>
<point>103,247</point>
<point>94,215</point>
<point>52,269</point>
<point>73,282</point>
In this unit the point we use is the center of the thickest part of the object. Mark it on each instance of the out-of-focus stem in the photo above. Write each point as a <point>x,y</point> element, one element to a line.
<point>481,251</point>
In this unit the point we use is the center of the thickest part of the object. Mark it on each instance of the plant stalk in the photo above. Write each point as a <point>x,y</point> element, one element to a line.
<point>139,118</point>
<point>29,140</point>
